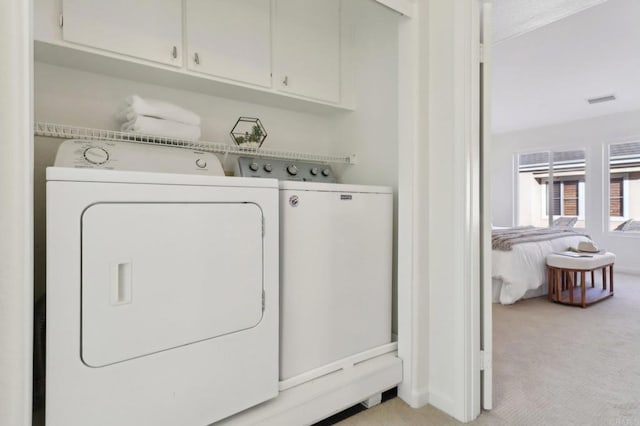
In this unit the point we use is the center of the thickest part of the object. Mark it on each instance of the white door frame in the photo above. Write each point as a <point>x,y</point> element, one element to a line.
<point>412,291</point>
<point>16,212</point>
<point>439,128</point>
<point>486,339</point>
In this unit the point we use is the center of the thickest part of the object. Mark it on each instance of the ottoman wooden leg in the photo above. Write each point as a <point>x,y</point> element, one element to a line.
<point>593,279</point>
<point>571,292</point>
<point>604,278</point>
<point>583,289</point>
<point>611,278</point>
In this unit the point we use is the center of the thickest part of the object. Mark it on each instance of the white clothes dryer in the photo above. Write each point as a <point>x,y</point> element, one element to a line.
<point>162,288</point>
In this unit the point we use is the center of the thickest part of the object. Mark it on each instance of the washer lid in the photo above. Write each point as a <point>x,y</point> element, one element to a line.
<point>334,187</point>
<point>158,276</point>
<point>92,175</point>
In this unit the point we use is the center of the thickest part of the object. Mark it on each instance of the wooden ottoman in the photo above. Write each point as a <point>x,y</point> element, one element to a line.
<point>563,272</point>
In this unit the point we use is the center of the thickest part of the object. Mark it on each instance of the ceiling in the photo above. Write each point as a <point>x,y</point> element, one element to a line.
<point>547,64</point>
<point>512,18</point>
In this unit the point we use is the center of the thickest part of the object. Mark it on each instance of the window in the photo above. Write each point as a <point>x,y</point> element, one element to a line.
<point>551,184</point>
<point>624,187</point>
<point>566,200</point>
<point>616,196</point>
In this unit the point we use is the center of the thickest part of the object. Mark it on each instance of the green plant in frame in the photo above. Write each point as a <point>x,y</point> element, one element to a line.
<point>248,131</point>
<point>256,134</point>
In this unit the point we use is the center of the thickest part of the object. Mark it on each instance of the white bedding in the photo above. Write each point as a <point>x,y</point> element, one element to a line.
<point>521,271</point>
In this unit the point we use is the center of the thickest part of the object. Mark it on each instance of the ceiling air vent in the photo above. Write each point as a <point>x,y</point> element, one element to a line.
<point>602,99</point>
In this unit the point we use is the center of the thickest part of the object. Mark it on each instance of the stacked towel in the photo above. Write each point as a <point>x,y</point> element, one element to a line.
<point>159,118</point>
<point>160,127</point>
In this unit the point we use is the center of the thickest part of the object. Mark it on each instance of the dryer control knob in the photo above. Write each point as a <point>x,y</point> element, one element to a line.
<point>201,163</point>
<point>253,166</point>
<point>268,168</point>
<point>314,171</point>
<point>292,170</point>
<point>96,155</point>
<point>326,172</point>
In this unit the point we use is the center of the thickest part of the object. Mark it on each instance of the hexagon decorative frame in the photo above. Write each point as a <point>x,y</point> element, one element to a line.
<point>248,132</point>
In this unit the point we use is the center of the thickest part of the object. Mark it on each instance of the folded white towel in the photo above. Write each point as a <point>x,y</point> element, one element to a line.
<point>136,106</point>
<point>158,127</point>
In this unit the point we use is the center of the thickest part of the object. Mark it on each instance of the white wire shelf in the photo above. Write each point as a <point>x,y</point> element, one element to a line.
<point>73,132</point>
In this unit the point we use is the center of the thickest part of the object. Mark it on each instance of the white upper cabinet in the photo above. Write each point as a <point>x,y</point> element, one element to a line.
<point>287,53</point>
<point>146,29</point>
<point>307,48</point>
<point>230,39</point>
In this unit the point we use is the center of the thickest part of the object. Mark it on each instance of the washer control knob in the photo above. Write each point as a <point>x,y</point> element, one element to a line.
<point>253,166</point>
<point>268,168</point>
<point>96,155</point>
<point>201,163</point>
<point>314,171</point>
<point>326,172</point>
<point>292,170</point>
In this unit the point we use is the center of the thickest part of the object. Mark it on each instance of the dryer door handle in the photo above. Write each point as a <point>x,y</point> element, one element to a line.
<point>121,283</point>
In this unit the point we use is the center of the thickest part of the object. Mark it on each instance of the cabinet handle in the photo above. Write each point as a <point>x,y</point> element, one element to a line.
<point>196,58</point>
<point>285,81</point>
<point>174,52</point>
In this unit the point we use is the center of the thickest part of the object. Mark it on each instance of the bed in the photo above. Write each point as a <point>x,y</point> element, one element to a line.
<point>518,265</point>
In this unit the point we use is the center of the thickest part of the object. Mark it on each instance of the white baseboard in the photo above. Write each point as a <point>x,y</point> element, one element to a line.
<point>414,398</point>
<point>418,399</point>
<point>442,402</point>
<point>320,398</point>
<point>341,364</point>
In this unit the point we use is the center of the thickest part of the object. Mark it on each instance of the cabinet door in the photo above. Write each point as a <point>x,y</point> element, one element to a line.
<point>230,39</point>
<point>307,48</point>
<point>146,29</point>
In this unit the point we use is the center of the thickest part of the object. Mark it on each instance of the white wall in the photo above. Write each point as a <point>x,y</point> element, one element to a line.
<point>592,135</point>
<point>371,130</point>
<point>68,96</point>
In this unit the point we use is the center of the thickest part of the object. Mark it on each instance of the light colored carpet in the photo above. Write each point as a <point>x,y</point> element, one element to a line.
<point>553,365</point>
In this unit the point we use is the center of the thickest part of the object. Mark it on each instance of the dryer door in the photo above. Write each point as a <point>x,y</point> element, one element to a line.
<point>156,276</point>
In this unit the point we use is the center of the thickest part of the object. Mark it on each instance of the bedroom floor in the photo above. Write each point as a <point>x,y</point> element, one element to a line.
<point>553,365</point>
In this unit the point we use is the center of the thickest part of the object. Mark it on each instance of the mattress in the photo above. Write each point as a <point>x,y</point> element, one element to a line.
<point>520,272</point>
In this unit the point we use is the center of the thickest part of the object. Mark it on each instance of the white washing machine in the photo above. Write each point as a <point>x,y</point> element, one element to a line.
<point>335,266</point>
<point>162,288</point>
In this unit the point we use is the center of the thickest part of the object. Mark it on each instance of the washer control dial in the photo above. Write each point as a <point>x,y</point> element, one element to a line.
<point>201,163</point>
<point>326,172</point>
<point>292,170</point>
<point>253,166</point>
<point>96,155</point>
<point>314,171</point>
<point>268,168</point>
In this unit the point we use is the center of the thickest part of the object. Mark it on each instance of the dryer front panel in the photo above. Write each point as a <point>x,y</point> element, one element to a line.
<point>158,276</point>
